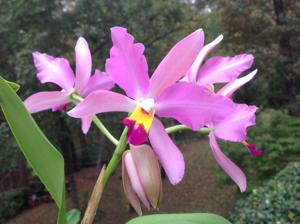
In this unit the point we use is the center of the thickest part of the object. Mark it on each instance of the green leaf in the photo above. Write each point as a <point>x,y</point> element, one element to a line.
<point>44,158</point>
<point>185,218</point>
<point>13,85</point>
<point>73,216</point>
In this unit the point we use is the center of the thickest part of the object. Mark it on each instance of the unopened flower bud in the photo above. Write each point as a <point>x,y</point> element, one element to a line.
<point>141,177</point>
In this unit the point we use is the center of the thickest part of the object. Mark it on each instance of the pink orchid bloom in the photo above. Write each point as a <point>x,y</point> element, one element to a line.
<point>233,127</point>
<point>244,113</point>
<point>59,71</point>
<point>160,95</point>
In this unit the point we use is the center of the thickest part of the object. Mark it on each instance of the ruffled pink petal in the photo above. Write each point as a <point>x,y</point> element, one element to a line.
<point>192,105</point>
<point>231,87</point>
<point>86,124</point>
<point>176,63</point>
<point>168,154</point>
<point>235,173</point>
<point>223,69</point>
<point>101,101</point>
<point>127,64</point>
<point>46,100</point>
<point>193,71</point>
<point>135,180</point>
<point>55,70</point>
<point>234,127</point>
<point>83,64</point>
<point>100,80</point>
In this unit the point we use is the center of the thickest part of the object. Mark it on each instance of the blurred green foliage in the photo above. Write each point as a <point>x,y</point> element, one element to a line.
<point>10,156</point>
<point>277,134</point>
<point>272,34</point>
<point>12,202</point>
<point>278,201</point>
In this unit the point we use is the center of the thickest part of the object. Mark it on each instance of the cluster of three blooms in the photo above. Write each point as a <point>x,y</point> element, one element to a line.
<point>181,87</point>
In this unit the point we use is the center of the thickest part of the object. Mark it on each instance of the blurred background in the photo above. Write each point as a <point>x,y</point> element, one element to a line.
<point>270,30</point>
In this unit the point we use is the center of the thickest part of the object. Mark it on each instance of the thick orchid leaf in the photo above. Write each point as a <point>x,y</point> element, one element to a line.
<point>73,216</point>
<point>13,85</point>
<point>185,218</point>
<point>44,158</point>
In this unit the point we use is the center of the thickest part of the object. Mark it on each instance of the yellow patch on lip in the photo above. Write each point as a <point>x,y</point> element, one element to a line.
<point>142,117</point>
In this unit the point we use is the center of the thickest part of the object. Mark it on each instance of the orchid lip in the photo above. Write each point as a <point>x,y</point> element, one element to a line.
<point>139,122</point>
<point>136,134</point>
<point>252,149</point>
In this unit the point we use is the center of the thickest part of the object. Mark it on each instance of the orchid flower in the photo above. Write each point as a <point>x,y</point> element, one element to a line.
<point>233,127</point>
<point>245,113</point>
<point>59,72</point>
<point>160,95</point>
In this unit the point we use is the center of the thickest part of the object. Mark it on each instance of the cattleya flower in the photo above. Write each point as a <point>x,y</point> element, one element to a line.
<point>249,116</point>
<point>59,71</point>
<point>141,177</point>
<point>233,127</point>
<point>160,95</point>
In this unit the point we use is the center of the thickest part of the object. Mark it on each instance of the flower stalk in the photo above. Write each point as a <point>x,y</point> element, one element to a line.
<point>103,178</point>
<point>181,127</point>
<point>77,99</point>
<point>113,163</point>
<point>104,130</point>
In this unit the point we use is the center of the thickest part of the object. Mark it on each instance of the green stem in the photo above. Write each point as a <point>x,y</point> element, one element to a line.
<point>181,127</point>
<point>113,163</point>
<point>77,99</point>
<point>103,178</point>
<point>104,130</point>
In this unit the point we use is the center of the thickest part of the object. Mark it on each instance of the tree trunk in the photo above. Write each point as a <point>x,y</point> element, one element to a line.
<point>285,48</point>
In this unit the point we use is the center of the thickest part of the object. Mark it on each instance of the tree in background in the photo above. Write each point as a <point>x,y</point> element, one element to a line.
<point>270,29</point>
